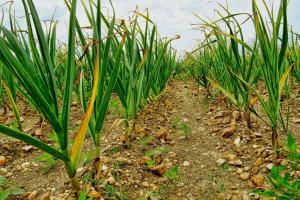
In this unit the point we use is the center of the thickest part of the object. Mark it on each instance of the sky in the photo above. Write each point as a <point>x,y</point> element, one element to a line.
<point>173,17</point>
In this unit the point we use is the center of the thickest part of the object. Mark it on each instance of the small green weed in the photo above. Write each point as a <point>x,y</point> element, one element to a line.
<point>83,196</point>
<point>145,140</point>
<point>157,151</point>
<point>172,174</point>
<point>7,190</point>
<point>285,187</point>
<point>175,121</point>
<point>49,162</point>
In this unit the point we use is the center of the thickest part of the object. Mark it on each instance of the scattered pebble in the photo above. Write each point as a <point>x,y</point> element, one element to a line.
<point>32,195</point>
<point>3,171</point>
<point>221,162</point>
<point>111,180</point>
<point>3,161</point>
<point>237,142</point>
<point>258,162</point>
<point>27,148</point>
<point>245,176</point>
<point>26,165</point>
<point>258,180</point>
<point>270,166</point>
<point>186,164</point>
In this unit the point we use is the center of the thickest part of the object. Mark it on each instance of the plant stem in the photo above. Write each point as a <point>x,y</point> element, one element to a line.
<point>275,142</point>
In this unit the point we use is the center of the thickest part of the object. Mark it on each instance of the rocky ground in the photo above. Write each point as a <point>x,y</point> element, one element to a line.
<point>184,145</point>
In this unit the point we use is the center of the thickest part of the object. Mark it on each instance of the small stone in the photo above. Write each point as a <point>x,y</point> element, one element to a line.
<point>257,135</point>
<point>226,120</point>
<point>105,159</point>
<point>255,170</point>
<point>246,169</point>
<point>239,171</point>
<point>185,120</point>
<point>22,119</point>
<point>296,120</point>
<point>27,148</point>
<point>231,157</point>
<point>228,132</point>
<point>93,193</point>
<point>3,161</point>
<point>238,163</point>
<point>145,184</point>
<point>75,103</point>
<point>221,162</point>
<point>284,162</point>
<point>138,128</point>
<point>258,180</point>
<point>251,185</point>
<point>38,132</point>
<point>172,154</point>
<point>237,142</point>
<point>122,160</point>
<point>111,180</point>
<point>32,195</point>
<point>270,166</point>
<point>9,174</point>
<point>162,134</point>
<point>123,138</point>
<point>258,162</point>
<point>236,115</point>
<point>104,168</point>
<point>245,176</point>
<point>3,171</point>
<point>221,196</point>
<point>186,164</point>
<point>26,165</point>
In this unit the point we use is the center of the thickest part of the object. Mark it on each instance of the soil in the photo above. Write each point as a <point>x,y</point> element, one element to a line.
<point>183,126</point>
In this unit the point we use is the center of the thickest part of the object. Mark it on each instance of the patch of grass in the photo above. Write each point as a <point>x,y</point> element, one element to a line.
<point>175,121</point>
<point>157,151</point>
<point>115,150</point>
<point>185,129</point>
<point>88,178</point>
<point>145,140</point>
<point>7,190</point>
<point>49,162</point>
<point>163,188</point>
<point>114,107</point>
<point>111,193</point>
<point>224,168</point>
<point>117,165</point>
<point>172,174</point>
<point>284,184</point>
<point>83,196</point>
<point>221,188</point>
<point>150,163</point>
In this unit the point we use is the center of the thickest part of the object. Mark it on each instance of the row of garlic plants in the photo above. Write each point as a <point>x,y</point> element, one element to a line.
<point>239,69</point>
<point>127,58</point>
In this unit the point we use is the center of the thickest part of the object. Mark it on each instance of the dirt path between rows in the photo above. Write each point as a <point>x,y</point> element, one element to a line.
<point>203,178</point>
